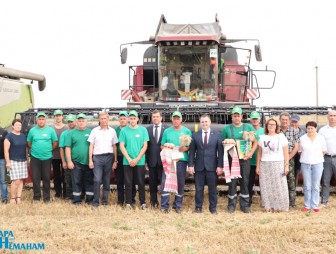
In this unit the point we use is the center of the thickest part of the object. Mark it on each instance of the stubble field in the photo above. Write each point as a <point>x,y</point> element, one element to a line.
<point>65,228</point>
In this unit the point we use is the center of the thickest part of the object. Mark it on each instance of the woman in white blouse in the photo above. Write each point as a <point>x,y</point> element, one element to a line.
<point>272,168</point>
<point>312,149</point>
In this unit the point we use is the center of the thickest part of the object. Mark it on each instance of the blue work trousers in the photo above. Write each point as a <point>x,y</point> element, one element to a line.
<point>181,171</point>
<point>82,175</point>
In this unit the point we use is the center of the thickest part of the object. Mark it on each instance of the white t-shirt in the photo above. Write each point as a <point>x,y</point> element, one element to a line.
<point>312,151</point>
<point>272,147</point>
<point>329,133</point>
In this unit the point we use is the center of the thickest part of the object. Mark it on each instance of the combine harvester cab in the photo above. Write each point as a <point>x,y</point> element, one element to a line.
<point>193,68</point>
<point>15,95</point>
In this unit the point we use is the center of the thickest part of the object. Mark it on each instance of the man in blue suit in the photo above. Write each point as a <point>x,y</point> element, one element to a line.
<point>206,162</point>
<point>153,158</point>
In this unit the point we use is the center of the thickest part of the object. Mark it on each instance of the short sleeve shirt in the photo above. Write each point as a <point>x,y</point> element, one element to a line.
<point>292,136</point>
<point>272,147</point>
<point>77,140</point>
<point>41,140</point>
<point>103,140</point>
<point>237,131</point>
<point>173,136</point>
<point>18,147</point>
<point>133,140</point>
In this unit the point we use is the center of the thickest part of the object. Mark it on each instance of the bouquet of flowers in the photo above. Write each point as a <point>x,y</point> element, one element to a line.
<point>248,137</point>
<point>185,140</point>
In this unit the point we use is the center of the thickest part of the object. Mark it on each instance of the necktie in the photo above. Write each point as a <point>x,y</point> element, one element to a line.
<point>205,138</point>
<point>156,135</point>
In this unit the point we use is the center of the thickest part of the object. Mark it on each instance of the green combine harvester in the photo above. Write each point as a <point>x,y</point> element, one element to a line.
<point>15,94</point>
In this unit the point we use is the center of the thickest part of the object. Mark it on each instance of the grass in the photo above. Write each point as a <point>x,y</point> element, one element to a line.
<point>65,228</point>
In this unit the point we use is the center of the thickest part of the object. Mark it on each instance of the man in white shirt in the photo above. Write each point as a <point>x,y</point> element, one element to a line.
<point>329,133</point>
<point>102,157</point>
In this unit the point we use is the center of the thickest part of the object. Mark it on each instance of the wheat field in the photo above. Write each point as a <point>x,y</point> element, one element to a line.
<point>65,228</point>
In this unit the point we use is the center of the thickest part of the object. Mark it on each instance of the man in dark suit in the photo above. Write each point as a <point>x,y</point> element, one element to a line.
<point>206,162</point>
<point>153,158</point>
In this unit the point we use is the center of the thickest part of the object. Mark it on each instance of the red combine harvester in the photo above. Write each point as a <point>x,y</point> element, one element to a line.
<point>193,68</point>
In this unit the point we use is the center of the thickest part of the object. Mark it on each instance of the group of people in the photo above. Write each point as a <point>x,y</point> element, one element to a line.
<point>83,160</point>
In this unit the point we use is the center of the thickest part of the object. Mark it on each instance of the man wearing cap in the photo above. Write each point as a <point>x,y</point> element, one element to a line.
<point>172,136</point>
<point>292,136</point>
<point>41,140</point>
<point>206,162</point>
<point>71,120</point>
<point>56,162</point>
<point>119,171</point>
<point>133,145</point>
<point>102,157</point>
<point>153,158</point>
<point>329,133</point>
<point>77,154</point>
<point>295,123</point>
<point>235,131</point>
<point>258,131</point>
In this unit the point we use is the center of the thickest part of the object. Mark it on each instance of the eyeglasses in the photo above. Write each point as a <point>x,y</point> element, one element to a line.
<point>271,124</point>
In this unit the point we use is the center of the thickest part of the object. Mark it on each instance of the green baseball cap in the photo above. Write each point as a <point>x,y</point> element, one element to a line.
<point>133,113</point>
<point>123,113</point>
<point>70,118</point>
<point>41,114</point>
<point>177,113</point>
<point>58,112</point>
<point>254,114</point>
<point>237,110</point>
<point>81,115</point>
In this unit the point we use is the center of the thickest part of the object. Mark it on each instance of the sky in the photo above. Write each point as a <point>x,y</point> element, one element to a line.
<point>76,44</point>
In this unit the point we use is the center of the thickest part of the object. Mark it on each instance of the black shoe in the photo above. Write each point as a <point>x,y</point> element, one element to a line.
<point>178,210</point>
<point>246,210</point>
<point>154,205</point>
<point>231,209</point>
<point>163,210</point>
<point>198,210</point>
<point>213,211</point>
<point>4,201</point>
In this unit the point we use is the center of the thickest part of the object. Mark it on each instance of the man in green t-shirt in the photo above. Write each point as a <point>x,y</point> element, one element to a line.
<point>119,171</point>
<point>41,140</point>
<point>77,154</point>
<point>171,136</point>
<point>235,131</point>
<point>71,120</point>
<point>133,145</point>
<point>258,130</point>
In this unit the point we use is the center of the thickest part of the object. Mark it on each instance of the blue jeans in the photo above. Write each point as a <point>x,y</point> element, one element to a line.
<point>311,179</point>
<point>102,174</point>
<point>181,171</point>
<point>3,182</point>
